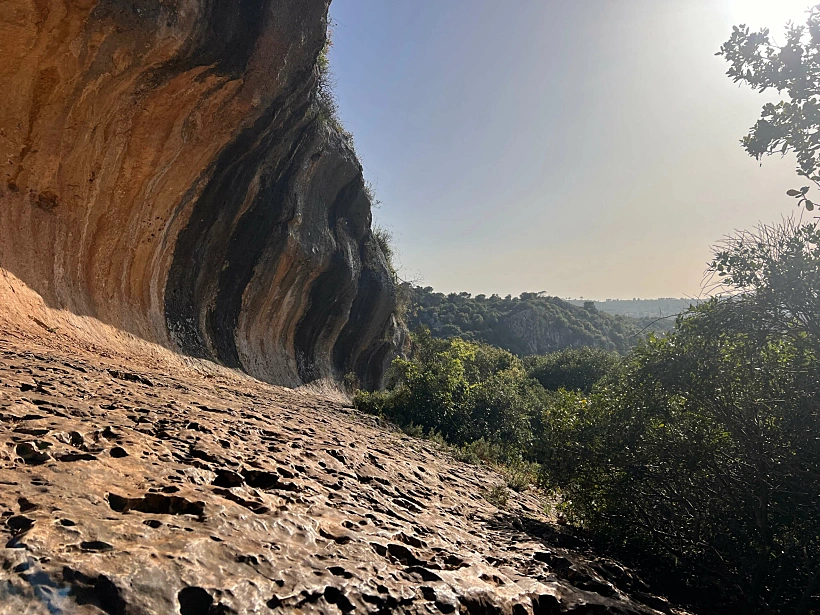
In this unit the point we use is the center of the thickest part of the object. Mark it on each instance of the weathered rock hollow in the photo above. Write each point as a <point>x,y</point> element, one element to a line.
<point>166,171</point>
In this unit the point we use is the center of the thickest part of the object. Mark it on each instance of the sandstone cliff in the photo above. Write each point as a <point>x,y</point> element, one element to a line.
<point>165,172</point>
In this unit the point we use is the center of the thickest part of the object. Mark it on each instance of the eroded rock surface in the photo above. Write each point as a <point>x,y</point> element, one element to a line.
<point>125,490</point>
<point>165,170</point>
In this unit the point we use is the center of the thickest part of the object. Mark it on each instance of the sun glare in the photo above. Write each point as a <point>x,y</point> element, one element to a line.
<point>772,14</point>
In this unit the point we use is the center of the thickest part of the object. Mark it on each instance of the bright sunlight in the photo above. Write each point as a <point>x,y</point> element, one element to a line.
<point>767,13</point>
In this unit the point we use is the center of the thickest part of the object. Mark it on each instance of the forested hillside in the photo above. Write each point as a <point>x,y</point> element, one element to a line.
<point>527,325</point>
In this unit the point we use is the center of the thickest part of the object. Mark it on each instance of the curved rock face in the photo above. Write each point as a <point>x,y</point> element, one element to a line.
<point>166,172</point>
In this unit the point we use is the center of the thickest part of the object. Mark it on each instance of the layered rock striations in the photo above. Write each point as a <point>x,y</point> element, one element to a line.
<point>166,171</point>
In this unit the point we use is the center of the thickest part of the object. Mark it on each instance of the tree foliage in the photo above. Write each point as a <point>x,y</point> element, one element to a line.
<point>461,390</point>
<point>575,369</point>
<point>781,265</point>
<point>793,68</point>
<point>705,451</point>
<point>530,324</point>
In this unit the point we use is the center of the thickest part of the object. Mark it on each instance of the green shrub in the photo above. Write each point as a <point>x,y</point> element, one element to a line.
<point>413,430</point>
<point>351,383</point>
<point>574,369</point>
<point>480,451</point>
<point>469,393</point>
<point>497,496</point>
<point>519,475</point>
<point>325,94</point>
<point>436,437</point>
<point>385,240</point>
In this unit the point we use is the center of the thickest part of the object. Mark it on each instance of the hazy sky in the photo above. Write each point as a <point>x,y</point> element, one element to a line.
<point>586,148</point>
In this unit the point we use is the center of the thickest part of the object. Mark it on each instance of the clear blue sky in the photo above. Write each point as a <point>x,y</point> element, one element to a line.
<point>586,148</point>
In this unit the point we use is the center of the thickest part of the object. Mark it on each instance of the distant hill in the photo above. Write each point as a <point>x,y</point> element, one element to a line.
<point>526,325</point>
<point>641,308</point>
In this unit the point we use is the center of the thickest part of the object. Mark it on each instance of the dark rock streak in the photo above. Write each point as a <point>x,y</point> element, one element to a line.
<point>168,173</point>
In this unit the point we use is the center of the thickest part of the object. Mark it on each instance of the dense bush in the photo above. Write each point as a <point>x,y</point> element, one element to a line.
<point>484,402</point>
<point>574,369</point>
<point>705,452</point>
<point>464,391</point>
